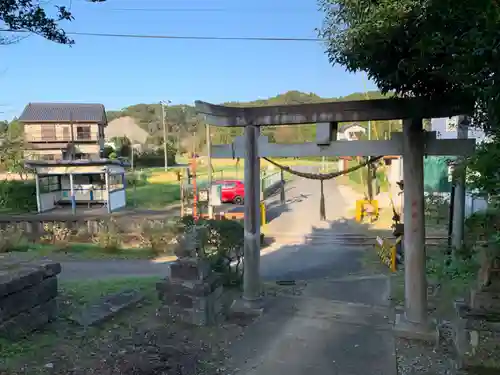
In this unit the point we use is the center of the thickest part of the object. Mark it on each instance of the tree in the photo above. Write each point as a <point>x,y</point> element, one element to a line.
<point>420,47</point>
<point>30,16</point>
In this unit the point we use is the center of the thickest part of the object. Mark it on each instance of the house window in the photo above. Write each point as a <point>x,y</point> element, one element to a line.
<point>83,132</point>
<point>48,157</point>
<point>49,184</point>
<point>65,134</point>
<point>115,182</point>
<point>48,132</point>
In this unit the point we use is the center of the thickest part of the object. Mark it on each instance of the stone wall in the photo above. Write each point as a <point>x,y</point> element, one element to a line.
<point>28,294</point>
<point>192,293</point>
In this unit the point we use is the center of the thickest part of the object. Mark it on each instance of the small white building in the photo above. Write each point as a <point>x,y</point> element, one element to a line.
<point>79,182</point>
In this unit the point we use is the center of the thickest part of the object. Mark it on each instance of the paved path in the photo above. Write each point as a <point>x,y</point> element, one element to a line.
<point>337,327</point>
<point>340,325</point>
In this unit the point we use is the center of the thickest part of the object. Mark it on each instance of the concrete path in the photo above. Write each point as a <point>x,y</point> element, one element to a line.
<point>322,332</point>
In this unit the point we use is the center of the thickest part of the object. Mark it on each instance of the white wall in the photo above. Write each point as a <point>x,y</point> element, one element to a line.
<point>48,200</point>
<point>117,199</point>
<point>474,204</point>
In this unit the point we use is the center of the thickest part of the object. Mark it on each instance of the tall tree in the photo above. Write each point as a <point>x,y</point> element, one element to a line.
<point>31,16</point>
<point>420,47</point>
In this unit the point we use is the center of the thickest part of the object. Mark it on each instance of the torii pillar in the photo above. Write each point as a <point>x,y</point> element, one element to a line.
<point>414,323</point>
<point>251,250</point>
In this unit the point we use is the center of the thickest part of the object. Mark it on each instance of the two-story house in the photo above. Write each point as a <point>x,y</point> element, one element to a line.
<point>64,145</point>
<point>63,131</point>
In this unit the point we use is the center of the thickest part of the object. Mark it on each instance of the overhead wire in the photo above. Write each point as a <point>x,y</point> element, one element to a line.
<point>185,37</point>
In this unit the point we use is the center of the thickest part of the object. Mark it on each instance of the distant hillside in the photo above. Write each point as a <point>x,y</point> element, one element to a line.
<point>182,121</point>
<point>126,127</point>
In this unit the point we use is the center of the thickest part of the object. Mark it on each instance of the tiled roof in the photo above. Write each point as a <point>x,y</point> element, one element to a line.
<point>64,112</point>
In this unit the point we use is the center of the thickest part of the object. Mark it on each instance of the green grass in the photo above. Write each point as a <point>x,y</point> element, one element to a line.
<point>63,339</point>
<point>153,195</point>
<point>84,251</point>
<point>81,293</point>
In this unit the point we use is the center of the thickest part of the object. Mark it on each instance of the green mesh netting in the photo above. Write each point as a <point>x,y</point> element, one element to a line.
<point>436,174</point>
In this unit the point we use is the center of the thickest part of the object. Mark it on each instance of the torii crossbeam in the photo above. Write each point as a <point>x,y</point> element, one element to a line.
<point>413,143</point>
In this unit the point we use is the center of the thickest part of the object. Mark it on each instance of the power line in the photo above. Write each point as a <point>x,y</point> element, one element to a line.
<point>207,10</point>
<point>185,37</point>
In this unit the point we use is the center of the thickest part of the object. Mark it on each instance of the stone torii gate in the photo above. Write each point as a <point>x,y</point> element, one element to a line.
<point>413,143</point>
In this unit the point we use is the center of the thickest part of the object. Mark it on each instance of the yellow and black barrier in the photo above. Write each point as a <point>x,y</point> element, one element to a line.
<point>388,252</point>
<point>263,217</point>
<point>366,208</point>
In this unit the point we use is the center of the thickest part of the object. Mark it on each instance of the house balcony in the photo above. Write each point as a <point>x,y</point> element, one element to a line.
<point>78,138</point>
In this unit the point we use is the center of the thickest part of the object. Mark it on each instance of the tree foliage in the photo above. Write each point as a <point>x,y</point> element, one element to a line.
<point>420,47</point>
<point>31,16</point>
<point>187,132</point>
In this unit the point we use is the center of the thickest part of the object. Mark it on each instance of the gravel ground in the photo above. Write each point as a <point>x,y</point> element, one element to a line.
<point>418,358</point>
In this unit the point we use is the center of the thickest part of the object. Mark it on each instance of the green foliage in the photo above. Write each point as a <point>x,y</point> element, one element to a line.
<point>158,237</point>
<point>138,178</point>
<point>108,236</point>
<point>17,196</point>
<point>484,175</point>
<point>155,158</point>
<point>30,16</point>
<point>443,267</point>
<point>436,207</point>
<point>12,239</point>
<point>420,47</point>
<point>223,245</point>
<point>182,121</point>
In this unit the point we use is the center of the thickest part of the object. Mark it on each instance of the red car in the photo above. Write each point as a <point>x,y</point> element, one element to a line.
<point>232,191</point>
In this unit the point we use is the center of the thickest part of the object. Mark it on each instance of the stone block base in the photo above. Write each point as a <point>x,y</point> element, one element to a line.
<point>244,308</point>
<point>28,292</point>
<point>199,303</point>
<point>476,338</point>
<point>28,321</point>
<point>409,330</point>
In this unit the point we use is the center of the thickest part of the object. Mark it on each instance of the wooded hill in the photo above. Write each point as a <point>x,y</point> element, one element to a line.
<point>187,132</point>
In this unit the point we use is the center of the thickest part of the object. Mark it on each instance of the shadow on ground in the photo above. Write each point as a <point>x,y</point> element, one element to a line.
<point>339,323</point>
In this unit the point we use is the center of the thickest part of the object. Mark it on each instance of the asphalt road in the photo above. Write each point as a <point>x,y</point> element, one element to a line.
<point>303,245</point>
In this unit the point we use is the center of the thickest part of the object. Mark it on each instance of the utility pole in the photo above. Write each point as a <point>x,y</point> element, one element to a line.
<point>209,161</point>
<point>165,138</point>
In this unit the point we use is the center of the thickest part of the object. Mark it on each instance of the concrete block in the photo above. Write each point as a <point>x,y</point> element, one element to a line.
<point>409,330</point>
<point>26,322</point>
<point>27,298</point>
<point>15,276</point>
<point>190,269</point>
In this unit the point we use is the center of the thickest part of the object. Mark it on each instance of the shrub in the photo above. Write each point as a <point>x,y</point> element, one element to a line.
<point>12,239</point>
<point>108,236</point>
<point>55,234</point>
<point>222,246</point>
<point>159,236</point>
<point>18,196</point>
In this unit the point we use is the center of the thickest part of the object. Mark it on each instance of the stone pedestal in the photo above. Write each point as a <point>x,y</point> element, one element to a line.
<point>427,332</point>
<point>192,294</point>
<point>477,325</point>
<point>28,294</point>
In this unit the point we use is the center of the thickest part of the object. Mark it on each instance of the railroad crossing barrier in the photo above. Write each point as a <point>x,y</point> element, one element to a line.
<point>366,208</point>
<point>390,253</point>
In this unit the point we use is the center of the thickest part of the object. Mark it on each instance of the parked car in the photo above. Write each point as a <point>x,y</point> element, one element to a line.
<point>232,191</point>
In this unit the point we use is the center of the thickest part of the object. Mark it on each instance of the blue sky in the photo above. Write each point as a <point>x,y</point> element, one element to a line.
<point>119,71</point>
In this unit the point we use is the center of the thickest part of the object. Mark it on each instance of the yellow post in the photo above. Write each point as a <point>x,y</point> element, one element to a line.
<point>359,210</point>
<point>393,259</point>
<point>262,215</point>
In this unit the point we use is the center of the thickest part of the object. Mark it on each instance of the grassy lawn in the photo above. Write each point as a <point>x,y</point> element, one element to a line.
<point>154,195</point>
<point>63,344</point>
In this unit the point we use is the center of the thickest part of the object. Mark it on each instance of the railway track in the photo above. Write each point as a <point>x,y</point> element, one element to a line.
<point>345,239</point>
